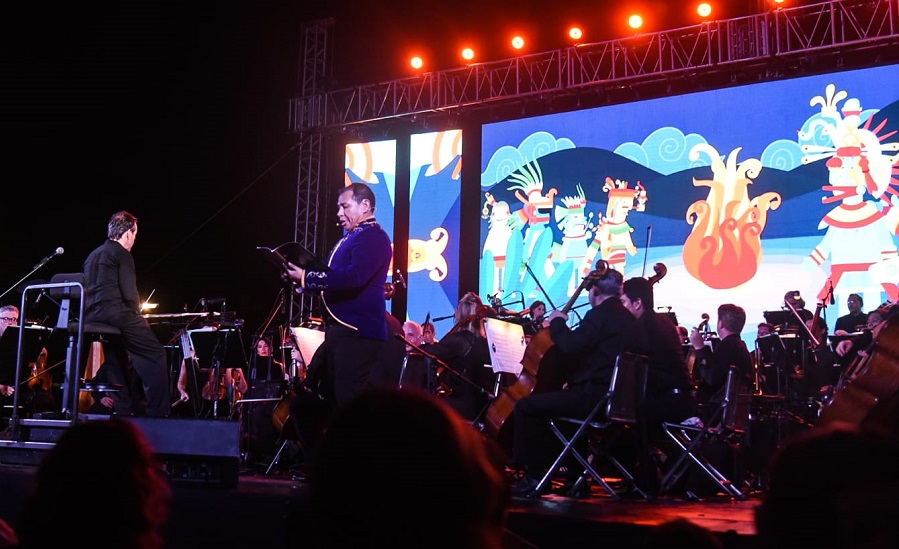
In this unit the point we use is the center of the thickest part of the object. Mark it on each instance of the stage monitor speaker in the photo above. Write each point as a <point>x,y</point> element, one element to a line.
<point>195,451</point>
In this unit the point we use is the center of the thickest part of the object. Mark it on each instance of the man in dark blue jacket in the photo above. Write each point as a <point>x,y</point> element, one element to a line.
<point>352,292</point>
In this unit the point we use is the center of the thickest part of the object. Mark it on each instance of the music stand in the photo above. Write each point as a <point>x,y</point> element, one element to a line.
<point>217,348</point>
<point>777,318</point>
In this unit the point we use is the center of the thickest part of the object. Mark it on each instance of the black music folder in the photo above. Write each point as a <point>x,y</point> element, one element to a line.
<point>296,253</point>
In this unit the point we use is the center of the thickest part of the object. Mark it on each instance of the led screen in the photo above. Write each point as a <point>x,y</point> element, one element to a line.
<point>434,208</point>
<point>739,195</point>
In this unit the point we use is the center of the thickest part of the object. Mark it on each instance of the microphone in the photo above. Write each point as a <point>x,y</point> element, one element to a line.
<point>399,276</point>
<point>42,262</point>
<point>832,300</point>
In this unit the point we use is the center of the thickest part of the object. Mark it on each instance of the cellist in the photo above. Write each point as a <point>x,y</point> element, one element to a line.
<point>590,351</point>
<point>669,393</point>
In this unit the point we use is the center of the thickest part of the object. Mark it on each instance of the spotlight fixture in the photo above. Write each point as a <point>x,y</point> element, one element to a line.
<point>467,54</point>
<point>635,21</point>
<point>704,10</point>
<point>518,42</point>
<point>575,33</point>
<point>416,62</point>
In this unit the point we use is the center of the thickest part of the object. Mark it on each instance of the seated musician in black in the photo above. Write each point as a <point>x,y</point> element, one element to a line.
<point>467,379</point>
<point>268,379</point>
<point>853,321</point>
<point>860,347</point>
<point>590,351</point>
<point>416,369</point>
<point>537,312</point>
<point>822,368</point>
<point>713,367</point>
<point>669,394</point>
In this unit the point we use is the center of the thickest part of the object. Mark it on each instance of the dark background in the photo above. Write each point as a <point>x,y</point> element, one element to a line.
<point>178,113</point>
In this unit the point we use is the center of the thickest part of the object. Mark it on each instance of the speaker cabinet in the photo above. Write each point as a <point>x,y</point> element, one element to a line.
<point>195,451</point>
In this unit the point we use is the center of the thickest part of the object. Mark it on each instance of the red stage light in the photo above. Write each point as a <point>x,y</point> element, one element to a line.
<point>635,21</point>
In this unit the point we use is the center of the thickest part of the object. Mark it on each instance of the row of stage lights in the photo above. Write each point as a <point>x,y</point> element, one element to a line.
<point>576,34</point>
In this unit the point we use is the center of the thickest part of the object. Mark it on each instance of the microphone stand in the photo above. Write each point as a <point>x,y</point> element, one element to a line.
<point>546,295</point>
<point>34,270</point>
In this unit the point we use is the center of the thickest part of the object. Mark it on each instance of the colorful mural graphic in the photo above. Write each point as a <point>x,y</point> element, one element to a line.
<point>736,178</point>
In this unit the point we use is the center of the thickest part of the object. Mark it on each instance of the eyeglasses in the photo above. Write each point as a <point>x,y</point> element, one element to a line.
<point>9,319</point>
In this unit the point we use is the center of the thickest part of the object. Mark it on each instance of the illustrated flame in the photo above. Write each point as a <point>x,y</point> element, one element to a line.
<point>724,248</point>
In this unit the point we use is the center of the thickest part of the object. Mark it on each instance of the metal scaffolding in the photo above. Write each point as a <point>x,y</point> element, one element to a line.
<point>765,41</point>
<point>314,70</point>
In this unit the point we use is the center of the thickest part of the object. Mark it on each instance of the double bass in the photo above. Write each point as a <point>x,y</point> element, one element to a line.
<point>538,371</point>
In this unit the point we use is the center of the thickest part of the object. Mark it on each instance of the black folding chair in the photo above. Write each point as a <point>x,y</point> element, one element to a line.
<point>615,412</point>
<point>727,425</point>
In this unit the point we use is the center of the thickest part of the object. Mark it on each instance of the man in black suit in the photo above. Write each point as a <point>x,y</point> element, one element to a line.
<point>112,298</point>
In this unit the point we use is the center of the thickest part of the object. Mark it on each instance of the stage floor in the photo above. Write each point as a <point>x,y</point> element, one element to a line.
<point>257,513</point>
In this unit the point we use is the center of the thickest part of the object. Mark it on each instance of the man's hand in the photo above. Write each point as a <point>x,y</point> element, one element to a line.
<point>556,314</point>
<point>7,390</point>
<point>295,273</point>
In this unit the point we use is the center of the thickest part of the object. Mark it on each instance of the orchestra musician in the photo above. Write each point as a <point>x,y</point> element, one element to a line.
<point>537,312</point>
<point>853,321</point>
<point>428,332</point>
<point>860,346</point>
<point>822,368</point>
<point>669,394</point>
<point>269,379</point>
<point>762,357</point>
<point>417,367</point>
<point>35,393</point>
<point>468,380</point>
<point>590,351</point>
<point>712,366</point>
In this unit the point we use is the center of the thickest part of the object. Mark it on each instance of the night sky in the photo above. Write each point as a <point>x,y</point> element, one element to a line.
<point>178,113</point>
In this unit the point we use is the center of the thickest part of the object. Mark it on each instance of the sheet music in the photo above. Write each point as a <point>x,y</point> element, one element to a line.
<point>309,341</point>
<point>507,344</point>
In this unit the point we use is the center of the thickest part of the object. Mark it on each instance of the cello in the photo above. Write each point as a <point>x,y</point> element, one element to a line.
<point>868,396</point>
<point>537,367</point>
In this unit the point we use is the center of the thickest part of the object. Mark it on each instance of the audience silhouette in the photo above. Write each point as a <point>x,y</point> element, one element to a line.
<point>834,486</point>
<point>445,482</point>
<point>100,474</point>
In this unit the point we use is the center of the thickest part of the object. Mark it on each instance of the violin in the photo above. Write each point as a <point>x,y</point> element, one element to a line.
<point>214,389</point>
<point>40,379</point>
